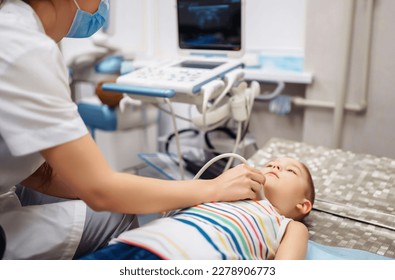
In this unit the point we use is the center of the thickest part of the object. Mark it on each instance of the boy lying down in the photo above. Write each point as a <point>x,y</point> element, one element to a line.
<point>266,229</point>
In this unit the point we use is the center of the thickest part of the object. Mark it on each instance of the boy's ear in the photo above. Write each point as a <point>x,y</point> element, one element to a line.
<point>304,207</point>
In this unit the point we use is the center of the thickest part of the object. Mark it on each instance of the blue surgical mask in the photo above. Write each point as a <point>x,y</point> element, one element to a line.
<point>86,24</point>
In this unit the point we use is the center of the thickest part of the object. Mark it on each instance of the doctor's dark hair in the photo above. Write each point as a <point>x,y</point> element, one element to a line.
<point>45,173</point>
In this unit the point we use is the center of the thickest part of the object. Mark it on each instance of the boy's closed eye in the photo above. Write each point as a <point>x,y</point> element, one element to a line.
<point>292,171</point>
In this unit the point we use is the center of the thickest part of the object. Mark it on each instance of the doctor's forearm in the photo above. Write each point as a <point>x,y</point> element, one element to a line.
<point>126,193</point>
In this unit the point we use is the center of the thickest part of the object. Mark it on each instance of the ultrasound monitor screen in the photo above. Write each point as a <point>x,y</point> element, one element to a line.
<point>209,24</point>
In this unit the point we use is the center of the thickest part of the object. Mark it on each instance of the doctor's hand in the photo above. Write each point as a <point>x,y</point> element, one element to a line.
<point>239,182</point>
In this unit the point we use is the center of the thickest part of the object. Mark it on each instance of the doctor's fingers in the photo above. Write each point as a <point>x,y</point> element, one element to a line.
<point>256,188</point>
<point>255,174</point>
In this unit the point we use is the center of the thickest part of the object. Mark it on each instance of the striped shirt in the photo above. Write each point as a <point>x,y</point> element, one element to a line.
<point>223,231</point>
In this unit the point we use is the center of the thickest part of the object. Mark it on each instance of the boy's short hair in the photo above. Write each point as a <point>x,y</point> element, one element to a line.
<point>310,195</point>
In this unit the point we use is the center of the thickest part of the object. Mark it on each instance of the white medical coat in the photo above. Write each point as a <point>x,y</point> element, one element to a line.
<point>36,112</point>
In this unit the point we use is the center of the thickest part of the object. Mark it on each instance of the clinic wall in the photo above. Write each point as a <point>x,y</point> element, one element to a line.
<point>276,27</point>
<point>371,131</point>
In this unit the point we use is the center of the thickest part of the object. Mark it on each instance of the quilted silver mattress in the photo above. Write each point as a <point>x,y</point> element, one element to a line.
<point>355,195</point>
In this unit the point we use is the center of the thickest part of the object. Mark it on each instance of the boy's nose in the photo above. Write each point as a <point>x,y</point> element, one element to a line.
<point>276,166</point>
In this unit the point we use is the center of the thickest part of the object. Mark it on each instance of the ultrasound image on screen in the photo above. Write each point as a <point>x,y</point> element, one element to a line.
<point>209,24</point>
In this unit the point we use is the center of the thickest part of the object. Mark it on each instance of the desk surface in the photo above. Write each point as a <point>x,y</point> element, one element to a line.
<point>263,75</point>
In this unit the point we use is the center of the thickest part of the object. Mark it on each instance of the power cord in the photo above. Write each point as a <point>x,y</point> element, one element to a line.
<point>210,162</point>
<point>224,129</point>
<point>236,145</point>
<point>181,131</point>
<point>195,158</point>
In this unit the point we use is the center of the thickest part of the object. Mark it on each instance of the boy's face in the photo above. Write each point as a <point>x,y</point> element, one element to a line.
<point>286,185</point>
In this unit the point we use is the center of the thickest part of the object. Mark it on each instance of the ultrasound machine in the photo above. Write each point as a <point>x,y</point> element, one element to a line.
<point>210,45</point>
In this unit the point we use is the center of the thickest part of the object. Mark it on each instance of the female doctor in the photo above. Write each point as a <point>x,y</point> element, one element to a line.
<point>45,146</point>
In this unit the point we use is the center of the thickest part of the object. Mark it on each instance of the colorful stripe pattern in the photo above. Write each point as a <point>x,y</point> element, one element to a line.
<point>238,230</point>
<point>241,230</point>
